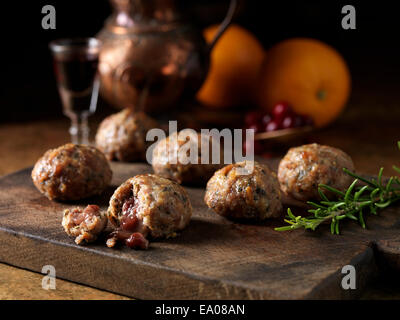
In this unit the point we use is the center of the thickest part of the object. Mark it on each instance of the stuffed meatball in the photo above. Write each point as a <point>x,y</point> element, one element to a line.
<point>253,194</point>
<point>187,165</point>
<point>71,172</point>
<point>304,168</point>
<point>84,224</point>
<point>147,206</point>
<point>122,136</point>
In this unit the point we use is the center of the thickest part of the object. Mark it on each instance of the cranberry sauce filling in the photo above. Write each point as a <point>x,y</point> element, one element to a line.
<point>129,221</point>
<point>131,230</point>
<point>137,240</point>
<point>79,215</point>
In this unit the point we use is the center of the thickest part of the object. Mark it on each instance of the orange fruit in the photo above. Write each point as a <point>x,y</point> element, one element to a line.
<point>309,75</point>
<point>235,62</point>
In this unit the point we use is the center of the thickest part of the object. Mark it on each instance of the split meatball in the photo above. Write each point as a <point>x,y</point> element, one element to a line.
<point>122,136</point>
<point>252,194</point>
<point>72,172</point>
<point>304,168</point>
<point>147,206</point>
<point>84,224</point>
<point>179,147</point>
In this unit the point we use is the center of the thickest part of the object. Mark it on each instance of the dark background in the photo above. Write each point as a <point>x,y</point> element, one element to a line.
<point>28,87</point>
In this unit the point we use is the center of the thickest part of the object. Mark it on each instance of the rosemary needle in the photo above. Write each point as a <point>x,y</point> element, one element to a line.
<point>353,203</point>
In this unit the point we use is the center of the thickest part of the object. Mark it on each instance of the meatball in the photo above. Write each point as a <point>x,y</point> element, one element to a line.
<point>84,224</point>
<point>304,168</point>
<point>122,136</point>
<point>181,172</point>
<point>254,195</point>
<point>147,206</point>
<point>71,172</point>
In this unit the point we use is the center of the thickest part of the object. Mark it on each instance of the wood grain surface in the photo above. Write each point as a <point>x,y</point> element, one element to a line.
<point>212,259</point>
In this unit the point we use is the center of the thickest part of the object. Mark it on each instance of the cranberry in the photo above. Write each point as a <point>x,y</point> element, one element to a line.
<point>252,118</point>
<point>272,126</point>
<point>266,119</point>
<point>288,122</point>
<point>129,222</point>
<point>281,110</point>
<point>137,241</point>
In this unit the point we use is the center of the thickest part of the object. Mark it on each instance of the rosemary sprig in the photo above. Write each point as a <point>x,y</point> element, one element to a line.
<point>362,197</point>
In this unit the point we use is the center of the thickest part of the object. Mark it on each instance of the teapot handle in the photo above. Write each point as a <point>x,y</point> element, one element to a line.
<point>225,24</point>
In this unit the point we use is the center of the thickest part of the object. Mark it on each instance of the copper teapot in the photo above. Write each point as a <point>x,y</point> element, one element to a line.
<point>151,59</point>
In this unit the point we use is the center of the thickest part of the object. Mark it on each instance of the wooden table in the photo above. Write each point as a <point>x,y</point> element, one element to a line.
<point>368,131</point>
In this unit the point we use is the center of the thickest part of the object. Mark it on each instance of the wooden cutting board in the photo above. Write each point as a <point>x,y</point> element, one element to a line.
<point>212,259</point>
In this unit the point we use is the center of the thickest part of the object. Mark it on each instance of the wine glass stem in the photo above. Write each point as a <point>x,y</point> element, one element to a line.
<point>79,129</point>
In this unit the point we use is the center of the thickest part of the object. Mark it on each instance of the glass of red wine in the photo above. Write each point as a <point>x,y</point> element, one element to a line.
<point>75,66</point>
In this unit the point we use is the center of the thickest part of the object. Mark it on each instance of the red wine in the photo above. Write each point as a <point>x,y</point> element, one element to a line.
<point>75,76</point>
<point>76,73</point>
